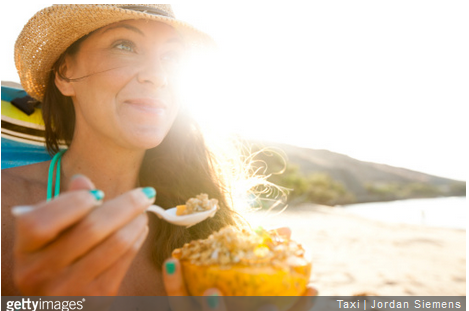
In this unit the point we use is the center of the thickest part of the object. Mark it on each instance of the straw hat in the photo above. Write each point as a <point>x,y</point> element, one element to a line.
<point>52,30</point>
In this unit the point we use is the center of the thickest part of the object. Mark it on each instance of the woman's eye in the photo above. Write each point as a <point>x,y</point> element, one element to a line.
<point>125,46</point>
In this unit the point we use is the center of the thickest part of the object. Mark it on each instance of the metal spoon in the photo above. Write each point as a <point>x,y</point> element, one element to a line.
<point>184,220</point>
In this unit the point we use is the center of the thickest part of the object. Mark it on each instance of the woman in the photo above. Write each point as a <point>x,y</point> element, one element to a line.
<point>107,78</point>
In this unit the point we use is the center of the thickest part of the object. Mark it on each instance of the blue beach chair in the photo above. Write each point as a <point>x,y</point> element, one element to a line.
<point>22,129</point>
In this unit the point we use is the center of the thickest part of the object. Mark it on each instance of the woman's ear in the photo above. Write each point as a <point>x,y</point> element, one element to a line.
<point>64,84</point>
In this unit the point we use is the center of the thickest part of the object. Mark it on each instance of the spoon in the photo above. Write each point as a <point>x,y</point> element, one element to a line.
<point>184,220</point>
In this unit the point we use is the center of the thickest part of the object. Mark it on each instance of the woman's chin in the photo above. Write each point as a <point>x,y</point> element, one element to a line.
<point>146,140</point>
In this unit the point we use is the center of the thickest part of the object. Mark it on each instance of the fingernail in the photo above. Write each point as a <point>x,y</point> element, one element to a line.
<point>213,300</point>
<point>150,192</point>
<point>20,210</point>
<point>98,194</point>
<point>170,267</point>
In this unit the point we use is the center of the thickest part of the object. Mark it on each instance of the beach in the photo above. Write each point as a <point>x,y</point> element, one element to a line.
<point>352,255</point>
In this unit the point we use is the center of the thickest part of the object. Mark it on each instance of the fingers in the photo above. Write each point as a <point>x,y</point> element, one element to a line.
<point>69,244</point>
<point>173,279</point>
<point>80,182</point>
<point>40,224</point>
<point>111,279</point>
<point>99,224</point>
<point>74,282</point>
<point>213,300</point>
<point>43,223</point>
<point>175,286</point>
<point>110,250</point>
<point>311,291</point>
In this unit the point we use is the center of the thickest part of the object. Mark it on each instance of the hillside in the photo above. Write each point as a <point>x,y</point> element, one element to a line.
<point>365,181</point>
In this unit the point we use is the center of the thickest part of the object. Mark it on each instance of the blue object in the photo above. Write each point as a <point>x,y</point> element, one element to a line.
<point>16,153</point>
<point>50,179</point>
<point>10,93</point>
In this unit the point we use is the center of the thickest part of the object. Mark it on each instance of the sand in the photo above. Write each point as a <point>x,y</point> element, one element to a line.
<point>353,255</point>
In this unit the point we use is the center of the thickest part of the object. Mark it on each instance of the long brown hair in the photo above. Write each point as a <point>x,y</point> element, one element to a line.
<point>58,112</point>
<point>181,167</point>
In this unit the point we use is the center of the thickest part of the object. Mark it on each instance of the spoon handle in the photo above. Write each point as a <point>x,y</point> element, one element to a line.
<point>159,211</point>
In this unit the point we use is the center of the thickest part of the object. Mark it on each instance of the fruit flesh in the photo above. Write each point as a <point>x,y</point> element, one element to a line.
<point>241,262</point>
<point>180,210</point>
<point>241,280</point>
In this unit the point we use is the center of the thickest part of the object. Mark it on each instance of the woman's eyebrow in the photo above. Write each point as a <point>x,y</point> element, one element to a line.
<point>126,26</point>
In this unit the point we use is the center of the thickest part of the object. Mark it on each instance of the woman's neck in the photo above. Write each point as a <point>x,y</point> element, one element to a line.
<point>111,169</point>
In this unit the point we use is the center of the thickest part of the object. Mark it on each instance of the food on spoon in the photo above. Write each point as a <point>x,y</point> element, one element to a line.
<point>245,263</point>
<point>200,203</point>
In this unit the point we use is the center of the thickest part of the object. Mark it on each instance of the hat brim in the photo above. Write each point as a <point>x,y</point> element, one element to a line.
<point>51,31</point>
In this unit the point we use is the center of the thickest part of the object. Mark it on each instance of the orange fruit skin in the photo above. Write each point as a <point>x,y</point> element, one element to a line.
<point>243,280</point>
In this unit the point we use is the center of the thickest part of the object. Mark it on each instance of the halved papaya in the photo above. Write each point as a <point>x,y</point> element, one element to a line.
<point>244,263</point>
<point>242,280</point>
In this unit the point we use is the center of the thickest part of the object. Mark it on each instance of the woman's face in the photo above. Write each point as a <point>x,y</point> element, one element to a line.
<point>125,90</point>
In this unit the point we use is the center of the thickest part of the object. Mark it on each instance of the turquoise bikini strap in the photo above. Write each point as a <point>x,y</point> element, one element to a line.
<point>50,179</point>
<point>57,176</point>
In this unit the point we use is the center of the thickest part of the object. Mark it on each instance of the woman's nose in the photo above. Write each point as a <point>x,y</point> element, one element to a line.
<point>152,71</point>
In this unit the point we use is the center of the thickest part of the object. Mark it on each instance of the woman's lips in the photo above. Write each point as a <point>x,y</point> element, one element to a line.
<point>148,105</point>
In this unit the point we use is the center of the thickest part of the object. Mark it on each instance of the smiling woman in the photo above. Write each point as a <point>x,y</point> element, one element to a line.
<point>130,68</point>
<point>116,126</point>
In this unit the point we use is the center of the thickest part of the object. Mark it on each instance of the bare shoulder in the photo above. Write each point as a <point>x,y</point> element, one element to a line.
<point>24,185</point>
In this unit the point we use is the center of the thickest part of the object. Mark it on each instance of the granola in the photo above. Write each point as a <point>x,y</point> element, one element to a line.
<point>231,246</point>
<point>200,203</point>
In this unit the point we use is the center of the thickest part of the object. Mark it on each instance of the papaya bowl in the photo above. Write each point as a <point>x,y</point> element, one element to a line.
<point>245,263</point>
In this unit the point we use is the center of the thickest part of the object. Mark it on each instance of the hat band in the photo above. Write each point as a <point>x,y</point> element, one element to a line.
<point>146,9</point>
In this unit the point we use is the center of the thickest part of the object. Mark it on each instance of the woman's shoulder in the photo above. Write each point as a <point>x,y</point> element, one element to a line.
<point>24,184</point>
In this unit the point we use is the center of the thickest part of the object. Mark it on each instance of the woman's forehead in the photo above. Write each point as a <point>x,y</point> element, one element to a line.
<point>142,26</point>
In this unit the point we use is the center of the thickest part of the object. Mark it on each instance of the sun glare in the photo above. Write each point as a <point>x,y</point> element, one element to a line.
<point>381,82</point>
<point>211,91</point>
<point>338,78</point>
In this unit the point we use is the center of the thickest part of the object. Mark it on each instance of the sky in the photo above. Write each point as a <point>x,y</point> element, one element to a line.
<point>380,81</point>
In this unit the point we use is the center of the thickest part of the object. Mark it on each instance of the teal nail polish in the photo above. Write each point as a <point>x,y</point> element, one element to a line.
<point>213,301</point>
<point>170,267</point>
<point>150,192</point>
<point>98,194</point>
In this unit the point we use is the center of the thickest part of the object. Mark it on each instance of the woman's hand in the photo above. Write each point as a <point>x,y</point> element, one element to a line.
<point>212,299</point>
<point>77,245</point>
<point>178,294</point>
